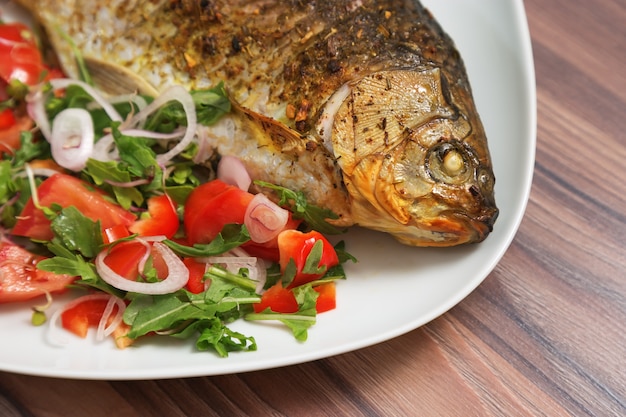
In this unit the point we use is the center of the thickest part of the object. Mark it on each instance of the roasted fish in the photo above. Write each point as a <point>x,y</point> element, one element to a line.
<point>363,105</point>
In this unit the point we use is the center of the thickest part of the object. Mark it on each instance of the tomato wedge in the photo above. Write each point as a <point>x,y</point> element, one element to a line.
<point>210,207</point>
<point>327,298</point>
<point>162,220</point>
<point>277,299</point>
<point>89,313</point>
<point>196,269</point>
<point>125,257</point>
<point>65,190</point>
<point>20,280</point>
<point>297,246</point>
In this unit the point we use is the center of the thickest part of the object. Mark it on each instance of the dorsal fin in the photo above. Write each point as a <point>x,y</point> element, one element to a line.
<point>271,132</point>
<point>115,79</point>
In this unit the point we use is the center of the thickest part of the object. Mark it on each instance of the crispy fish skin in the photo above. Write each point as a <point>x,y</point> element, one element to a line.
<point>363,105</point>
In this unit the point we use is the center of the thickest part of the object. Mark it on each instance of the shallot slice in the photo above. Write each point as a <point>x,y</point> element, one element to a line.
<point>72,138</point>
<point>60,83</point>
<point>177,276</point>
<point>103,329</point>
<point>264,219</point>
<point>175,93</point>
<point>231,170</point>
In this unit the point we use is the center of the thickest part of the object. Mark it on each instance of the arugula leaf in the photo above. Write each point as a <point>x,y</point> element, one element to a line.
<point>215,335</point>
<point>156,313</point>
<point>314,216</point>
<point>298,322</point>
<point>74,265</point>
<point>211,104</point>
<point>5,180</point>
<point>231,236</point>
<point>313,259</point>
<point>76,232</point>
<point>139,158</point>
<point>30,149</point>
<point>102,173</point>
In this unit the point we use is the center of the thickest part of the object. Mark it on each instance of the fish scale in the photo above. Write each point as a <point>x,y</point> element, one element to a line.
<point>365,106</point>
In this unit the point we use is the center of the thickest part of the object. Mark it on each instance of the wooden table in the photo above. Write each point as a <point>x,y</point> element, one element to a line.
<point>545,334</point>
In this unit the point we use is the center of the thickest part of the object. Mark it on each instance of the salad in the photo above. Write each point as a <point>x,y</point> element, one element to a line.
<point>117,200</point>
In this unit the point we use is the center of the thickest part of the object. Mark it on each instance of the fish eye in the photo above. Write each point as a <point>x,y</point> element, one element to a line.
<point>449,162</point>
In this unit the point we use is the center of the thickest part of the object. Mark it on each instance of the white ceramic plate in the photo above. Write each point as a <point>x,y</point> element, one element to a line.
<point>393,289</point>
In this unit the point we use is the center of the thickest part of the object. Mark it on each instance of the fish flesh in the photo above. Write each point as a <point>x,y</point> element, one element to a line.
<point>363,105</point>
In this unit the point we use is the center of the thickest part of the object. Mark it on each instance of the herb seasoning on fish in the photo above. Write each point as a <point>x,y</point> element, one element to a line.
<point>365,106</point>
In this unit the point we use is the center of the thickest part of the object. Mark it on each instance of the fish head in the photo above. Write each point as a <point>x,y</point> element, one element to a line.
<point>414,157</point>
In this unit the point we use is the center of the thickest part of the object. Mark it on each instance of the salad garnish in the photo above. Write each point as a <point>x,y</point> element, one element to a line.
<point>115,198</point>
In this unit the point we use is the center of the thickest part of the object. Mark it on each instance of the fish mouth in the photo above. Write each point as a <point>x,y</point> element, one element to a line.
<point>450,228</point>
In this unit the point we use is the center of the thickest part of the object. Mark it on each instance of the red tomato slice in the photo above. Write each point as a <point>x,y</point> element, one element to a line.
<point>327,298</point>
<point>196,275</point>
<point>16,32</point>
<point>7,119</point>
<point>210,207</point>
<point>19,278</point>
<point>297,245</point>
<point>124,259</point>
<point>117,232</point>
<point>19,55</point>
<point>277,299</point>
<point>87,314</point>
<point>163,218</point>
<point>66,191</point>
<point>10,135</point>
<point>78,318</point>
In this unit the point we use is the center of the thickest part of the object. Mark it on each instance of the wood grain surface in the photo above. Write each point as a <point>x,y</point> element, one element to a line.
<point>544,335</point>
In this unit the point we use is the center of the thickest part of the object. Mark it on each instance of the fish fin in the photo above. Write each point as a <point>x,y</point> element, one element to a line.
<point>116,79</point>
<point>270,132</point>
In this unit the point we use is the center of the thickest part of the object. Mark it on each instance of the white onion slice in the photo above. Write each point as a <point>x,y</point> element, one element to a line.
<point>175,93</point>
<point>257,270</point>
<point>232,171</point>
<point>60,83</point>
<point>72,138</point>
<point>105,330</point>
<point>176,278</point>
<point>264,219</point>
<point>35,107</point>
<point>55,338</point>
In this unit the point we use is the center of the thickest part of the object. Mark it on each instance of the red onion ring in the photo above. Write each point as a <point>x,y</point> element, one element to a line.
<point>72,138</point>
<point>264,219</point>
<point>177,276</point>
<point>106,330</point>
<point>175,93</point>
<point>61,83</point>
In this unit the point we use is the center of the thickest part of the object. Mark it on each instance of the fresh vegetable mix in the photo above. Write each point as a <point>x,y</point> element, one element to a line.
<point>108,193</point>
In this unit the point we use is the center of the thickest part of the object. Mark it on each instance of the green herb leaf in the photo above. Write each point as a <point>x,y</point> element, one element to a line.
<point>232,236</point>
<point>216,336</point>
<point>298,322</point>
<point>314,216</point>
<point>77,232</point>
<point>102,173</point>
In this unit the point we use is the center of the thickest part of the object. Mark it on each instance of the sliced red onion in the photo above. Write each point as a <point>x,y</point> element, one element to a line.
<point>36,109</point>
<point>264,219</point>
<point>153,135</point>
<point>72,138</point>
<point>257,270</point>
<point>55,338</point>
<point>105,330</point>
<point>177,276</point>
<point>60,83</point>
<point>175,93</point>
<point>138,100</point>
<point>231,170</point>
